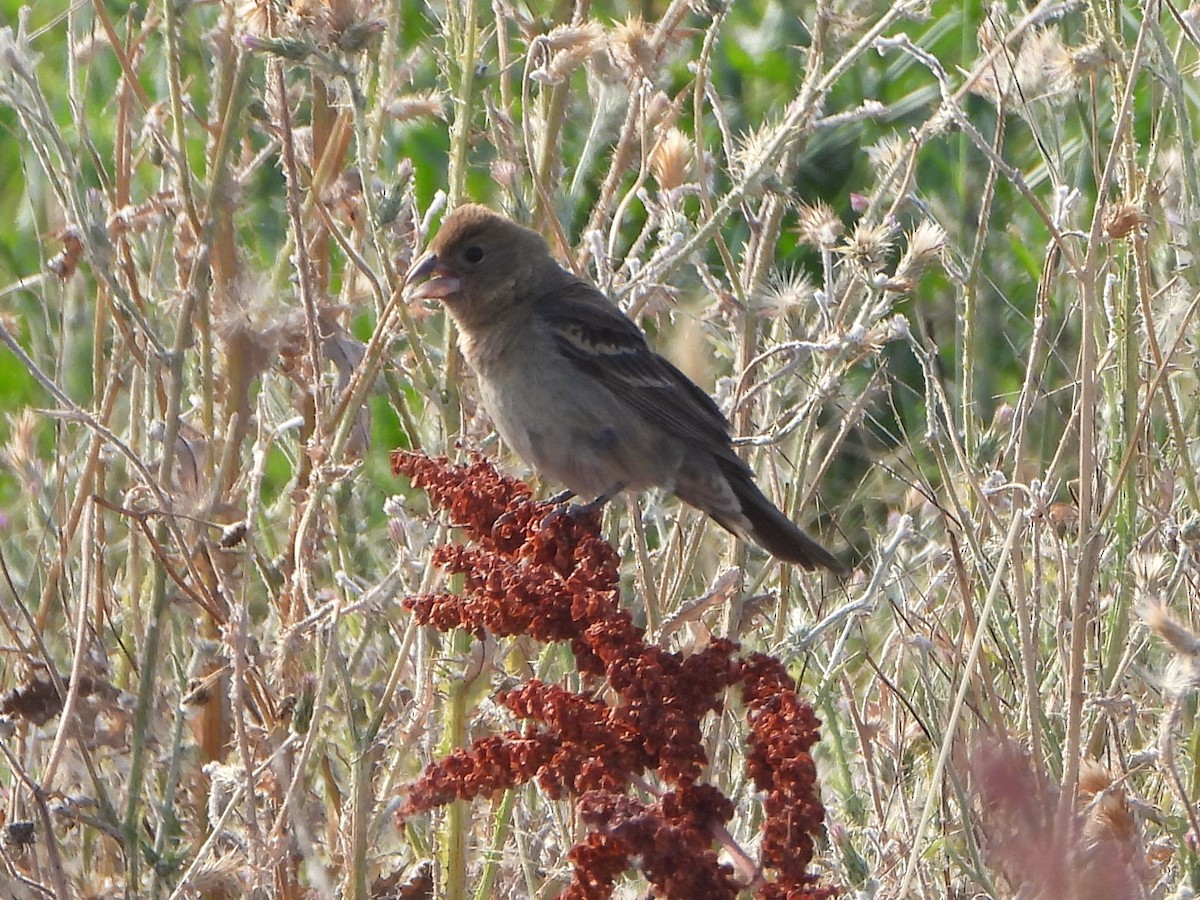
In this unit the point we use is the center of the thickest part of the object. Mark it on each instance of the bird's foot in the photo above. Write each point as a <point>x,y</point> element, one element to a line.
<point>502,520</point>
<point>578,510</point>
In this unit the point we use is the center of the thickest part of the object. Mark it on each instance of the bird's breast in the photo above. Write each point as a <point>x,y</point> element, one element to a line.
<point>572,429</point>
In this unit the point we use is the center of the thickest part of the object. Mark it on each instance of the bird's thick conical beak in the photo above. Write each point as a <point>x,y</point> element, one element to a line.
<point>432,279</point>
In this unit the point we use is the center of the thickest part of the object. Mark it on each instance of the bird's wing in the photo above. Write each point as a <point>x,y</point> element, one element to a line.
<point>604,343</point>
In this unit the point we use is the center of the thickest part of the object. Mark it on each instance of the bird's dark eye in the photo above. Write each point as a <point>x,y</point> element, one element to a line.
<point>473,254</point>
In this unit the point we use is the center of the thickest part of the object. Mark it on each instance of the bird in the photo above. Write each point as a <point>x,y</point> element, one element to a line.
<point>574,389</point>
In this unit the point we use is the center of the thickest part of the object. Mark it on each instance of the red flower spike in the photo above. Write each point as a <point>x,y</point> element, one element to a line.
<point>552,577</point>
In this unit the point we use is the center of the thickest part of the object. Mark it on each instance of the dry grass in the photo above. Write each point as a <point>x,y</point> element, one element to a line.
<point>967,357</point>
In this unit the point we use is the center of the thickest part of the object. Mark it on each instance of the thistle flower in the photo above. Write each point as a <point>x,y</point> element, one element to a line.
<point>784,291</point>
<point>564,49</point>
<point>631,46</point>
<point>869,246</point>
<point>1042,70</point>
<point>925,245</point>
<point>407,107</point>
<point>886,153</point>
<point>671,159</point>
<point>819,226</point>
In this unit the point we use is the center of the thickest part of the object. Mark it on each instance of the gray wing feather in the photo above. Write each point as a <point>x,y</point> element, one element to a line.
<point>604,343</point>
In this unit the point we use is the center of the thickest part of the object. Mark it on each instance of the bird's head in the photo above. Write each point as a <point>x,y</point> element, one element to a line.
<point>480,262</point>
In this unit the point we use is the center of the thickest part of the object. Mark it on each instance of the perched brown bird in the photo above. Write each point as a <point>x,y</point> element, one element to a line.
<point>574,390</point>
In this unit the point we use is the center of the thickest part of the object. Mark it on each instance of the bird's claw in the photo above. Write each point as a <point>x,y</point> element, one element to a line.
<point>578,510</point>
<point>570,510</point>
<point>503,519</point>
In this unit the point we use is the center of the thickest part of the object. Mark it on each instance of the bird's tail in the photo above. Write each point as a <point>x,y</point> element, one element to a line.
<point>775,532</point>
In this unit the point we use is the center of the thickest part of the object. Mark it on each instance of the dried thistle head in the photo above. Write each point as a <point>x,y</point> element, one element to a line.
<point>818,225</point>
<point>251,325</point>
<point>1090,59</point>
<point>346,25</point>
<point>425,105</point>
<point>66,261</point>
<point>886,153</point>
<point>926,243</point>
<point>1154,613</point>
<point>751,157</point>
<point>784,291</point>
<point>1109,816</point>
<point>1123,219</point>
<point>20,454</point>
<point>220,874</point>
<point>252,18</point>
<point>659,113</point>
<point>1042,70</point>
<point>564,49</point>
<point>671,159</point>
<point>506,173</point>
<point>631,45</point>
<point>868,248</point>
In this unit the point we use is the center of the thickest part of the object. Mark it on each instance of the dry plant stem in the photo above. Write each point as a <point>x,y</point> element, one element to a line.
<point>1166,744</point>
<point>291,173</point>
<point>1169,72</point>
<point>368,369</point>
<point>360,815</point>
<point>167,820</point>
<point>14,632</point>
<point>702,84</point>
<point>284,820</point>
<point>55,157</point>
<point>371,732</point>
<point>644,136</point>
<point>463,36</point>
<point>1157,385</point>
<point>132,81</point>
<point>183,171</point>
<point>37,794</point>
<point>1026,619</point>
<point>951,103</point>
<point>951,726</point>
<point>148,668</point>
<point>239,625</point>
<point>850,613</point>
<point>940,426</point>
<point>542,189</point>
<point>1142,268</point>
<point>700,92</point>
<point>850,419</point>
<point>970,297</point>
<point>602,207</point>
<point>1089,526</point>
<point>757,259</point>
<point>503,55</point>
<point>218,827</point>
<point>87,593</point>
<point>643,570</point>
<point>85,482</point>
<point>77,413</point>
<point>494,856</point>
<point>60,689</point>
<point>455,828</point>
<point>865,737</point>
<point>1041,323</point>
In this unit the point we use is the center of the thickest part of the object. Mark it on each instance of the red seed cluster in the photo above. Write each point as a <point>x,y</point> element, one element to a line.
<point>532,570</point>
<point>671,839</point>
<point>782,729</point>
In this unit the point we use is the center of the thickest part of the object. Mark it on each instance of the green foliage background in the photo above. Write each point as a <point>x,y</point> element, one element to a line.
<point>999,431</point>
